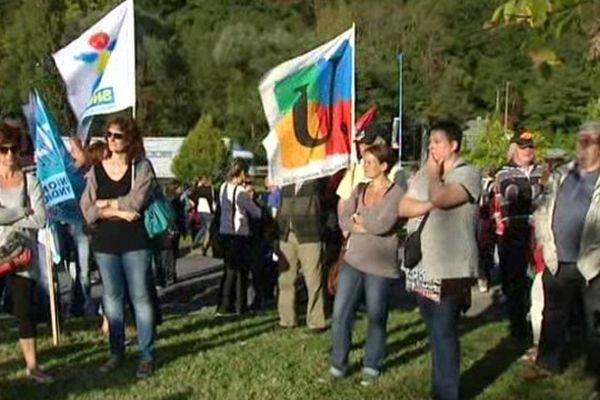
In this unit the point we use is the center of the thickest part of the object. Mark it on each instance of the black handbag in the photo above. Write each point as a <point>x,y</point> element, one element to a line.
<point>412,246</point>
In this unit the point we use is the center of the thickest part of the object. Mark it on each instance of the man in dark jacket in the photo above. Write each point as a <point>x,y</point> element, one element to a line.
<point>517,187</point>
<point>300,221</point>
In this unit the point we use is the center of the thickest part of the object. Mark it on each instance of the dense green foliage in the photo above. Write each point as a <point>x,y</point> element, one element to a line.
<point>198,57</point>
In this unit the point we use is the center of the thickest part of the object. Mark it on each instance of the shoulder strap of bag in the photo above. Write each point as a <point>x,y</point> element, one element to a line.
<point>361,189</point>
<point>422,223</point>
<point>233,206</point>
<point>132,175</point>
<point>26,202</point>
<point>154,179</point>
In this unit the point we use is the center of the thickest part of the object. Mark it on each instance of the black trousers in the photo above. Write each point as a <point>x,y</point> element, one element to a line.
<point>234,285</point>
<point>515,283</point>
<point>22,291</point>
<point>562,293</point>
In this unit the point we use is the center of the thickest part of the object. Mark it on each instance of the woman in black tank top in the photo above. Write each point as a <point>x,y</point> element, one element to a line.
<point>114,200</point>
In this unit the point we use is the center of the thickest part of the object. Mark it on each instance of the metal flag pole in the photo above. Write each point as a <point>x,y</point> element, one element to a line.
<point>400,105</point>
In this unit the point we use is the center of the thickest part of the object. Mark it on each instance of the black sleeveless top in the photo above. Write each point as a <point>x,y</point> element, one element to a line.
<point>117,236</point>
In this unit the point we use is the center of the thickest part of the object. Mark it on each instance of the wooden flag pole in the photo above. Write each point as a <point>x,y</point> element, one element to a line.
<point>55,323</point>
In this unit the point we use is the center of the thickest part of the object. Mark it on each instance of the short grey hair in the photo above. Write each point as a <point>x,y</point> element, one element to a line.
<point>593,126</point>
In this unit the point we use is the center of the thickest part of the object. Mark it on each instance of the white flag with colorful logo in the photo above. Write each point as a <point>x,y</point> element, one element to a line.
<point>99,67</point>
<point>309,105</point>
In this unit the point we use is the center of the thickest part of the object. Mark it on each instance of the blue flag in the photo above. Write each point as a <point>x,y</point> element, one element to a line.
<point>62,184</point>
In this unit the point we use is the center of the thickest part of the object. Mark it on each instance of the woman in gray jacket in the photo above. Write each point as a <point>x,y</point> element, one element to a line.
<point>370,264</point>
<point>21,211</point>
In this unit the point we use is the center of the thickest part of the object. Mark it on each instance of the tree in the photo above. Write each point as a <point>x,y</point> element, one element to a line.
<point>491,146</point>
<point>202,153</point>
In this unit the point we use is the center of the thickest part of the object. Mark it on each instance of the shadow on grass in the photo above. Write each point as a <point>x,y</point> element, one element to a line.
<point>201,323</point>
<point>490,367</point>
<point>181,395</point>
<point>397,357</point>
<point>78,378</point>
<point>390,332</point>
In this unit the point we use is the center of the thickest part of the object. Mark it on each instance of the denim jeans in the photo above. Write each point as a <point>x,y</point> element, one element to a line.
<point>441,320</point>
<point>131,269</point>
<point>205,221</point>
<point>352,284</point>
<point>82,300</point>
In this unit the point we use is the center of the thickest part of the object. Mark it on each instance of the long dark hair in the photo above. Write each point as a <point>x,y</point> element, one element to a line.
<point>132,138</point>
<point>10,134</point>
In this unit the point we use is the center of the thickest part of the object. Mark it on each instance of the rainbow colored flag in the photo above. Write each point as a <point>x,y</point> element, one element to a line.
<point>309,105</point>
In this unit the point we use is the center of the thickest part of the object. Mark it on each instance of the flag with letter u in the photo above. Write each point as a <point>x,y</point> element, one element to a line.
<point>99,67</point>
<point>309,105</point>
<point>62,184</point>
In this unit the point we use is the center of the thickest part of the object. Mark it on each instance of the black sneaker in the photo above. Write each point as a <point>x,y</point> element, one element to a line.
<point>144,369</point>
<point>39,376</point>
<point>113,363</point>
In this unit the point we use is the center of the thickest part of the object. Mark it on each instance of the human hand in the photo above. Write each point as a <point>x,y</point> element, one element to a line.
<point>433,167</point>
<point>357,219</point>
<point>128,216</point>
<point>102,203</point>
<point>22,259</point>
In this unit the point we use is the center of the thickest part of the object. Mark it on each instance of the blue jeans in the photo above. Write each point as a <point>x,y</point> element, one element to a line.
<point>352,284</point>
<point>441,320</point>
<point>81,277</point>
<point>131,269</point>
<point>205,221</point>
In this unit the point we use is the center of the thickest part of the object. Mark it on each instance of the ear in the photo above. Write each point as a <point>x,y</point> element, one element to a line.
<point>454,146</point>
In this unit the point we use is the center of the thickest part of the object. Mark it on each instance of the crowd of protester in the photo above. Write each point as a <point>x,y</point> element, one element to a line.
<point>538,222</point>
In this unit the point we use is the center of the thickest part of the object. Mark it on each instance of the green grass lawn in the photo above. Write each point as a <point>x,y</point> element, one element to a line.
<point>203,357</point>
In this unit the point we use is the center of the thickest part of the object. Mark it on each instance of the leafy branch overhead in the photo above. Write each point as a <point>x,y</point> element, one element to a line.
<point>556,16</point>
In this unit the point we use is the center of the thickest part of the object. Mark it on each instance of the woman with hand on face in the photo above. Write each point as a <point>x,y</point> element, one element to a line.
<point>21,212</point>
<point>446,191</point>
<point>116,194</point>
<point>370,264</point>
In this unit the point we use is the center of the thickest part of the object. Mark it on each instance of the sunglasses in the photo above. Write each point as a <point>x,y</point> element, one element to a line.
<point>114,135</point>
<point>5,149</point>
<point>587,140</point>
<point>526,146</point>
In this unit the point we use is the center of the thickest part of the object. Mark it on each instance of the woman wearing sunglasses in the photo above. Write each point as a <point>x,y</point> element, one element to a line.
<point>113,201</point>
<point>21,211</point>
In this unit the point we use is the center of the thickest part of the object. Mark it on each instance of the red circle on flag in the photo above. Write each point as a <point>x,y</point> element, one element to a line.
<point>99,40</point>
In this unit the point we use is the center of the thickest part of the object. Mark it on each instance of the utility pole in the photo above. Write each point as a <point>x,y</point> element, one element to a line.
<point>497,100</point>
<point>506,107</point>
